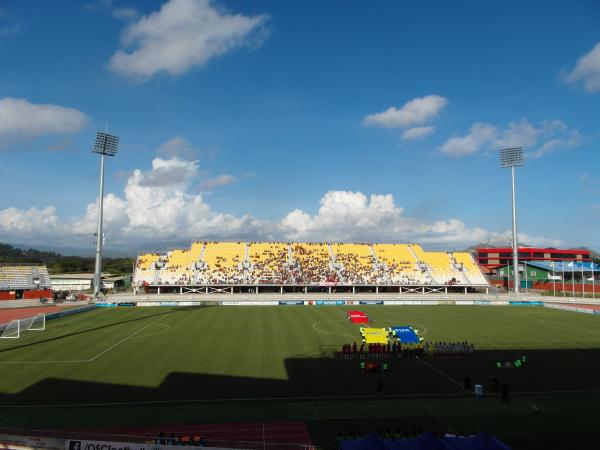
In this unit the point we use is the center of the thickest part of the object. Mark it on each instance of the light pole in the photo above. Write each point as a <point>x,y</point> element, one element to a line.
<point>106,145</point>
<point>513,157</point>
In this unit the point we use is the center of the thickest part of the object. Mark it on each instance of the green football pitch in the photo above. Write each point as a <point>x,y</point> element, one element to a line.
<point>147,366</point>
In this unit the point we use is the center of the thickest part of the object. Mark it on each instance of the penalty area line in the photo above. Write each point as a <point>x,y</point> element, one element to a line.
<point>124,339</point>
<point>74,361</point>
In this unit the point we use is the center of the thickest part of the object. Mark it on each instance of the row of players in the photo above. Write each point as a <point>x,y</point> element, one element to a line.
<point>398,350</point>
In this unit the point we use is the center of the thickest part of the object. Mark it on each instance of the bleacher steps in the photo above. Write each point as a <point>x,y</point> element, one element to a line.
<point>331,253</point>
<point>422,264</point>
<point>374,255</point>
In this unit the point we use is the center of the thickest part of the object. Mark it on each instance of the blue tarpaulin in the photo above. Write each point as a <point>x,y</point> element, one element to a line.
<point>405,334</point>
<point>426,441</point>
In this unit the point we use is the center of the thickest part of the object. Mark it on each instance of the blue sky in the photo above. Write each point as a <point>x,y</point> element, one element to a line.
<point>299,120</point>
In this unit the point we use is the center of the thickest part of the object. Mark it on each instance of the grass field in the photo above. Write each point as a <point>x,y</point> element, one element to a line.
<point>199,365</point>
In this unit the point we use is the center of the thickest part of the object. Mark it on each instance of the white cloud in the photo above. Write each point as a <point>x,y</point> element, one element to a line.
<point>21,119</point>
<point>177,146</point>
<point>478,136</point>
<point>167,172</point>
<point>221,180</point>
<point>158,208</point>
<point>117,12</point>
<point>587,71</point>
<point>9,23</point>
<point>415,133</point>
<point>352,216</point>
<point>9,31</point>
<point>517,134</point>
<point>573,139</point>
<point>169,215</point>
<point>183,34</point>
<point>125,13</point>
<point>414,112</point>
<point>33,224</point>
<point>538,140</point>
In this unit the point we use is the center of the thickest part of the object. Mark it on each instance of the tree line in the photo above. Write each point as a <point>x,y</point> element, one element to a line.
<point>57,263</point>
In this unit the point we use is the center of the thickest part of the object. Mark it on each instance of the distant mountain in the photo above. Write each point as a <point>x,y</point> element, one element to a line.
<point>75,251</point>
<point>58,263</point>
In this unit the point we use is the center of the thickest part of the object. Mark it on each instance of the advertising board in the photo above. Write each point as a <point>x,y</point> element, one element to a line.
<point>446,302</point>
<point>249,303</point>
<point>525,303</point>
<point>72,444</point>
<point>409,302</point>
<point>329,302</point>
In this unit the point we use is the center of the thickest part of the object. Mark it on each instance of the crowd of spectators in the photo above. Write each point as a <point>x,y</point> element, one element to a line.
<point>451,349</point>
<point>357,269</point>
<point>184,440</point>
<point>269,263</point>
<point>283,263</point>
<point>312,264</point>
<point>397,349</point>
<point>396,434</point>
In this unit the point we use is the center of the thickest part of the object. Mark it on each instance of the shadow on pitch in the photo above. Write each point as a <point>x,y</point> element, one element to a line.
<point>188,398</point>
<point>320,377</point>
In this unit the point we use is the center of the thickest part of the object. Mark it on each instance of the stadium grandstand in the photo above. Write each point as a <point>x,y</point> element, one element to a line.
<point>223,266</point>
<point>27,282</point>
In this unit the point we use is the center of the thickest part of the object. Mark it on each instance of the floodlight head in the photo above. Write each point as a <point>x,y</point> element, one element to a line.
<point>106,144</point>
<point>511,157</point>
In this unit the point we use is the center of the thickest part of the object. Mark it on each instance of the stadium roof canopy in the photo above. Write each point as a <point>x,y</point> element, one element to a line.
<point>566,266</point>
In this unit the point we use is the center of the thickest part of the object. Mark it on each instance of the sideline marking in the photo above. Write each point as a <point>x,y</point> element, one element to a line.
<point>464,394</point>
<point>441,373</point>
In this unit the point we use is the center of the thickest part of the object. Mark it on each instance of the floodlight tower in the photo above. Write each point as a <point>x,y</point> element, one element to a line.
<point>513,157</point>
<point>106,145</point>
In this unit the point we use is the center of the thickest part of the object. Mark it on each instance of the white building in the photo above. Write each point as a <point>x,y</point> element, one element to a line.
<point>72,282</point>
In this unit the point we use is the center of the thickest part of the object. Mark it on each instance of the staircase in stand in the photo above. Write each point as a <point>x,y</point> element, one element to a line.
<point>423,264</point>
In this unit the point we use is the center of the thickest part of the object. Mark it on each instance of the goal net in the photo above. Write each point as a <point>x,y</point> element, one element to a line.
<point>14,328</point>
<point>35,323</point>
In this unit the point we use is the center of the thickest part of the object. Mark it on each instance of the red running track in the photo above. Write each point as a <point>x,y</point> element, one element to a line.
<point>6,315</point>
<point>578,305</point>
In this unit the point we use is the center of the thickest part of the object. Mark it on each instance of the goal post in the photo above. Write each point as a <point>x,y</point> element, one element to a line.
<point>12,330</point>
<point>38,323</point>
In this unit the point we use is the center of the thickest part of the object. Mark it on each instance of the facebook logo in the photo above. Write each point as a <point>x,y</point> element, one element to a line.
<point>74,445</point>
